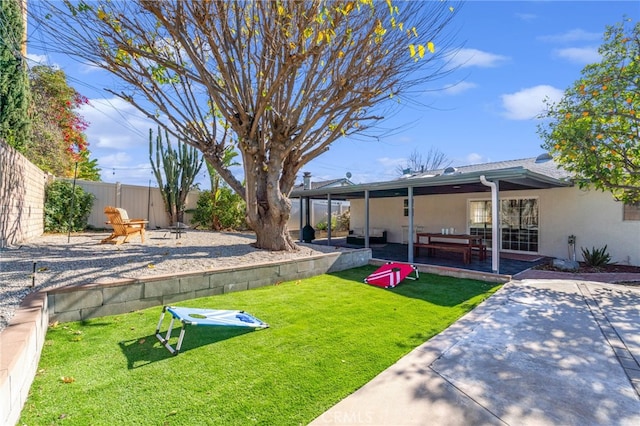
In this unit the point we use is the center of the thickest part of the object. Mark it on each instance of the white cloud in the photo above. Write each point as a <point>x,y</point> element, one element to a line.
<point>580,55</point>
<point>529,103</point>
<point>114,160</point>
<point>387,162</point>
<point>571,36</point>
<point>476,58</point>
<point>115,124</point>
<point>457,88</point>
<point>475,158</point>
<point>34,60</point>
<point>526,16</point>
<point>86,68</point>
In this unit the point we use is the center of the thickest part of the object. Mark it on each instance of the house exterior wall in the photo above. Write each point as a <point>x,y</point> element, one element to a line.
<point>432,213</point>
<point>594,217</point>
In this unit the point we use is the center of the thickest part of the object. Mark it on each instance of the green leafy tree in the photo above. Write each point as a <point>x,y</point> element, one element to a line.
<point>175,171</point>
<point>14,85</point>
<point>594,130</point>
<point>58,205</point>
<point>289,77</point>
<point>58,130</point>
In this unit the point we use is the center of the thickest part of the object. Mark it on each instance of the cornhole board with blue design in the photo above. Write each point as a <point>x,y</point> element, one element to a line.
<point>202,317</point>
<point>391,274</point>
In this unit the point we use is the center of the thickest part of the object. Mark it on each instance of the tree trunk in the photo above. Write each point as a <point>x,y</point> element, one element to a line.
<point>274,235</point>
<point>268,208</point>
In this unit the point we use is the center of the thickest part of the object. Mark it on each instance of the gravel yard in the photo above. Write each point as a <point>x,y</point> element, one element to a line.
<point>84,260</point>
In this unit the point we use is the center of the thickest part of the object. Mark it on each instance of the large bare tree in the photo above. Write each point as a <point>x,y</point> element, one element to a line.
<point>287,77</point>
<point>417,163</point>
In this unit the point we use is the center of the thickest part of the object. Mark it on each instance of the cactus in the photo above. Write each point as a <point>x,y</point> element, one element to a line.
<point>179,168</point>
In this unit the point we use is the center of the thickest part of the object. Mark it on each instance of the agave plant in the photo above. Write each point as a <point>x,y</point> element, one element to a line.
<point>596,257</point>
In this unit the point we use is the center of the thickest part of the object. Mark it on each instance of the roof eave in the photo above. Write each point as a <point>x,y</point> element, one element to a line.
<point>514,174</point>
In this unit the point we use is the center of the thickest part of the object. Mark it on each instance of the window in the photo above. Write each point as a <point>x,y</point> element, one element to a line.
<point>631,211</point>
<point>518,223</point>
<point>406,207</point>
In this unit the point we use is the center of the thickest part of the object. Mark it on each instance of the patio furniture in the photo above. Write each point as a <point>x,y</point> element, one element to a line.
<point>460,243</point>
<point>122,226</point>
<point>203,317</point>
<point>178,228</point>
<point>376,236</point>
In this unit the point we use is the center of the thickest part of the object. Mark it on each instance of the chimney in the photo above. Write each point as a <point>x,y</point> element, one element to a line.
<point>306,177</point>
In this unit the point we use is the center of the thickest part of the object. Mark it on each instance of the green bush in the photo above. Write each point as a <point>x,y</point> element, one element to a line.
<point>596,257</point>
<point>57,206</point>
<point>343,221</point>
<point>228,212</point>
<point>322,226</point>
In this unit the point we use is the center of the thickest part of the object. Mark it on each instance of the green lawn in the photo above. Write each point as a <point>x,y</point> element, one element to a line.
<point>328,336</point>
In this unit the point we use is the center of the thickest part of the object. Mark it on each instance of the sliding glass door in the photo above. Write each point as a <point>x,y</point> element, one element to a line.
<point>518,223</point>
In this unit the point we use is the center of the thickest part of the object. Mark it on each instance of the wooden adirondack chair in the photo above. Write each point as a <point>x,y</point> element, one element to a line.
<point>122,225</point>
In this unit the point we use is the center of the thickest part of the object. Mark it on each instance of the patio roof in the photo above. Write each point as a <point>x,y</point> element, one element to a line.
<point>510,179</point>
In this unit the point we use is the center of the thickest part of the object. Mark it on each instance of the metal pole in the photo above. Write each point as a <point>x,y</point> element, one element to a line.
<point>148,200</point>
<point>73,201</point>
<point>410,232</point>
<point>301,216</point>
<point>329,219</point>
<point>366,218</point>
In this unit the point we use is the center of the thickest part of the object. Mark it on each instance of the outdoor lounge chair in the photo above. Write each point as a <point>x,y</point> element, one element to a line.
<point>122,225</point>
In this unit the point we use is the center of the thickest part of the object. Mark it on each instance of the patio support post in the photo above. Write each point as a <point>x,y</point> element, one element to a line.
<point>495,224</point>
<point>410,232</point>
<point>301,217</point>
<point>366,218</point>
<point>328,219</point>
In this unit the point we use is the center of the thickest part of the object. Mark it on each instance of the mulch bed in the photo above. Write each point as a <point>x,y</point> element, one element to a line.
<point>584,269</point>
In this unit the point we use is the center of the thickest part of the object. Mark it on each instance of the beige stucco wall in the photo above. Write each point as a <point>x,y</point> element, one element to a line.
<point>592,216</point>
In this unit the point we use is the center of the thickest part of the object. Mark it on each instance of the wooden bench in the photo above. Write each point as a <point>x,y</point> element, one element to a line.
<point>465,249</point>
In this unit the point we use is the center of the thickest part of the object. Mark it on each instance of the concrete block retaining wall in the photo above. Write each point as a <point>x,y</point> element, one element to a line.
<point>21,197</point>
<point>21,342</point>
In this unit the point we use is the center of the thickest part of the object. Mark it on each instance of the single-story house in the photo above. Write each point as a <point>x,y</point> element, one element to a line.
<point>538,207</point>
<point>318,208</point>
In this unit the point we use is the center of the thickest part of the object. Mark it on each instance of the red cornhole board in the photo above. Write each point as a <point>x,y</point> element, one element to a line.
<point>391,274</point>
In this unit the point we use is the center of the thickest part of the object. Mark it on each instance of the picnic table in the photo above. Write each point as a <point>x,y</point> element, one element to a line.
<point>460,243</point>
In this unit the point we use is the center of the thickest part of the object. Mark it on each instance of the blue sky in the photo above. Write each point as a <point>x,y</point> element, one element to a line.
<point>513,55</point>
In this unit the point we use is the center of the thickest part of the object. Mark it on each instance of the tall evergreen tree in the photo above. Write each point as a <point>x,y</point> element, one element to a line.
<point>14,83</point>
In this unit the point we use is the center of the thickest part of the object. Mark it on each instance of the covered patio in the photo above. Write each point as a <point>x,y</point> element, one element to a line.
<point>510,263</point>
<point>491,179</point>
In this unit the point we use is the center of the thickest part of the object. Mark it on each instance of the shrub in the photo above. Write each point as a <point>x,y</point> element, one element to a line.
<point>57,206</point>
<point>596,257</point>
<point>344,220</point>
<point>228,211</point>
<point>322,225</point>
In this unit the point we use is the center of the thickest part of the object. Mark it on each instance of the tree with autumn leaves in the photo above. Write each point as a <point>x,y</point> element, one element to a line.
<point>288,77</point>
<point>594,130</point>
<point>58,140</point>
<point>38,109</point>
